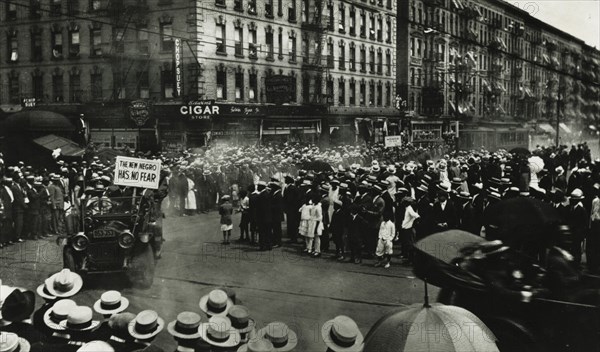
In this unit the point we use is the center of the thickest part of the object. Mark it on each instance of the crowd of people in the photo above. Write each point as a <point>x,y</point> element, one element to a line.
<point>357,203</point>
<point>222,323</point>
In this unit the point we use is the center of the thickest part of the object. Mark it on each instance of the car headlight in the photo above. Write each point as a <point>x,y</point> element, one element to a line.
<point>80,242</point>
<point>126,239</point>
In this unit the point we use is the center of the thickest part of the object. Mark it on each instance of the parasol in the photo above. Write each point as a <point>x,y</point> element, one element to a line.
<point>437,327</point>
<point>520,220</point>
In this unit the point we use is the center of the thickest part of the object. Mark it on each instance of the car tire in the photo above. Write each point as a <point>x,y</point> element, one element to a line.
<point>141,272</point>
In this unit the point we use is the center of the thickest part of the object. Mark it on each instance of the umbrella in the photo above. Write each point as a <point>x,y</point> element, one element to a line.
<point>436,327</point>
<point>520,151</point>
<point>446,246</point>
<point>521,220</point>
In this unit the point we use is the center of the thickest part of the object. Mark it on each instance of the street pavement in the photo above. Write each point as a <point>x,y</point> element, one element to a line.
<point>279,285</point>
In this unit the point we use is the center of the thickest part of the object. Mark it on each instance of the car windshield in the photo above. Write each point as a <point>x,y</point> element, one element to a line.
<point>105,205</point>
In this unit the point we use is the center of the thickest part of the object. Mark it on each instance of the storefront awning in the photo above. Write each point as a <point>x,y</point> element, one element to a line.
<point>564,127</point>
<point>547,128</point>
<point>53,142</point>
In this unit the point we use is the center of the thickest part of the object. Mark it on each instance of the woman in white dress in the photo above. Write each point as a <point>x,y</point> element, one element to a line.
<point>190,200</point>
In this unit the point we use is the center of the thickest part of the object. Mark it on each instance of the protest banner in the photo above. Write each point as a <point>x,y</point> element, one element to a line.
<point>135,172</point>
<point>393,141</point>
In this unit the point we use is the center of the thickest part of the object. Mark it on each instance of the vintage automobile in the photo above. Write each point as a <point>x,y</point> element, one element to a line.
<point>117,236</point>
<point>540,324</point>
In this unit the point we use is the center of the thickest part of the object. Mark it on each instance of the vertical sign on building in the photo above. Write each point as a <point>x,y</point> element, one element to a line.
<point>177,53</point>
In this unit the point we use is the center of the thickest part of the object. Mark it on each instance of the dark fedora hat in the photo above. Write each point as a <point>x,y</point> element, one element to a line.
<point>18,304</point>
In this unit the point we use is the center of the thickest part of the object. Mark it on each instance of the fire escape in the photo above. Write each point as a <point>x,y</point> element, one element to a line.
<point>495,89</point>
<point>317,28</point>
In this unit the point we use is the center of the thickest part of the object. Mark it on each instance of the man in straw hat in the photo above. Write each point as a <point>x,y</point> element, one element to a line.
<point>444,213</point>
<point>280,335</point>
<point>341,334</point>
<point>219,333</point>
<point>146,326</point>
<point>185,330</point>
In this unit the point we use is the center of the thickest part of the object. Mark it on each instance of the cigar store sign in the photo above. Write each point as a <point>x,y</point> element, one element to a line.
<point>200,109</point>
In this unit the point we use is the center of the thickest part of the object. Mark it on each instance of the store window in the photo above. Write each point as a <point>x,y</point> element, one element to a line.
<point>239,86</point>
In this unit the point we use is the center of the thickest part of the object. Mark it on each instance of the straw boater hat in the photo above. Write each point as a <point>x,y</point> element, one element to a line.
<point>257,345</point>
<point>577,194</point>
<point>341,334</point>
<point>43,292</point>
<point>96,346</point>
<point>219,332</point>
<point>146,325</point>
<point>11,342</point>
<point>186,326</point>
<point>215,303</point>
<point>64,284</point>
<point>111,302</point>
<point>57,313</point>
<point>80,319</point>
<point>283,338</point>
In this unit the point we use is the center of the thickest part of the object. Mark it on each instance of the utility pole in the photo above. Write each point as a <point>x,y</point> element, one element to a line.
<point>558,102</point>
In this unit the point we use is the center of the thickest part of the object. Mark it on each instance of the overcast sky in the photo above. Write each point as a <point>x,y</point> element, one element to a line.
<point>580,18</point>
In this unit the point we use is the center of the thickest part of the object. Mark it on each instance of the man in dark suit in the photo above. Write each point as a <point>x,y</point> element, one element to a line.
<point>264,217</point>
<point>389,197</point>
<point>356,224</point>
<point>291,203</point>
<point>444,213</point>
<point>19,208</point>
<point>276,213</point>
<point>374,215</point>
<point>6,223</point>
<point>578,222</point>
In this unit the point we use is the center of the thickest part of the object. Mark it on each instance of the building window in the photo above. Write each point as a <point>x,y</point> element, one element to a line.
<point>72,7</point>
<point>388,30</point>
<point>119,40</point>
<point>280,42</point>
<point>292,47</point>
<point>292,11</point>
<point>379,29</point>
<point>330,15</point>
<point>13,47</point>
<point>11,11</point>
<point>362,93</point>
<point>96,41</point>
<point>330,56</point>
<point>388,94</point>
<point>352,21</point>
<point>363,24</point>
<point>167,82</point>
<point>280,8</point>
<point>96,83</point>
<point>252,87</point>
<point>293,93</point>
<point>352,93</point>
<point>35,9</point>
<point>269,8</point>
<point>220,38</point>
<point>75,88</point>
<point>221,85</point>
<point>371,93</point>
<point>36,46</point>
<point>269,44</point>
<point>37,86</point>
<point>305,50</point>
<point>306,89</point>
<point>304,10</point>
<point>388,63</point>
<point>239,86</point>
<point>342,21</point>
<point>143,80</point>
<point>238,5</point>
<point>252,7</point>
<point>74,42</point>
<point>371,60</point>
<point>238,42</point>
<point>252,47</point>
<point>329,91</point>
<point>13,88</point>
<point>118,85</point>
<point>342,93</point>
<point>352,57</point>
<point>57,88</point>
<point>372,26</point>
<point>363,59</point>
<point>57,45</point>
<point>342,58</point>
<point>95,5</point>
<point>379,94</point>
<point>412,76</point>
<point>142,40</point>
<point>379,62</point>
<point>55,7</point>
<point>166,34</point>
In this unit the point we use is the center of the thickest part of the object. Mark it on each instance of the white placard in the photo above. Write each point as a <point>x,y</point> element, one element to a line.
<point>135,172</point>
<point>393,141</point>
